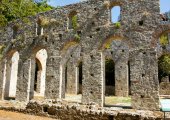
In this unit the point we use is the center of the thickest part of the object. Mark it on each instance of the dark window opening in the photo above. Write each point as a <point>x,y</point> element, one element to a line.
<point>80,78</point>
<point>141,22</point>
<point>45,109</point>
<point>60,36</point>
<point>37,77</point>
<point>109,77</point>
<point>93,23</point>
<point>129,78</point>
<point>39,28</point>
<point>14,34</point>
<point>97,29</point>
<point>66,79</point>
<point>35,81</point>
<point>110,117</point>
<point>15,30</point>
<point>79,32</point>
<point>46,39</point>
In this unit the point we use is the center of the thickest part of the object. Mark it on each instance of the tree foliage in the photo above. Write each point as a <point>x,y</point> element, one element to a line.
<point>164,65</point>
<point>164,40</point>
<point>14,9</point>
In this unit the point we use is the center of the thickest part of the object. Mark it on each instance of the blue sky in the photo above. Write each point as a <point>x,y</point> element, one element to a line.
<point>164,5</point>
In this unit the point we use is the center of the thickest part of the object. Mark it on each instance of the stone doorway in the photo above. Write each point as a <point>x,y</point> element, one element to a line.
<point>40,74</point>
<point>109,77</point>
<point>11,76</point>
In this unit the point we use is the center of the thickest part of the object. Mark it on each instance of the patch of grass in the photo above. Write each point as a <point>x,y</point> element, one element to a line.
<point>112,100</point>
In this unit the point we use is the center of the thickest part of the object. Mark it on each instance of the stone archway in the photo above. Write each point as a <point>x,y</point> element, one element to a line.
<point>10,80</point>
<point>40,73</point>
<point>164,86</point>
<point>161,29</point>
<point>115,48</point>
<point>69,70</point>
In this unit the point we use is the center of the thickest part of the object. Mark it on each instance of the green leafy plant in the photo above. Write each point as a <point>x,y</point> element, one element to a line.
<point>18,9</point>
<point>164,40</point>
<point>117,25</point>
<point>164,65</point>
<point>107,45</point>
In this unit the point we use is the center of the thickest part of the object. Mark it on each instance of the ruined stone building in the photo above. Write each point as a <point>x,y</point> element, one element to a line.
<point>65,50</point>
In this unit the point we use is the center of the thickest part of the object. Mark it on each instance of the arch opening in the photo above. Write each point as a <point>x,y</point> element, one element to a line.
<point>164,63</point>
<point>11,76</point>
<point>164,73</point>
<point>72,74</point>
<point>116,75</point>
<point>40,73</point>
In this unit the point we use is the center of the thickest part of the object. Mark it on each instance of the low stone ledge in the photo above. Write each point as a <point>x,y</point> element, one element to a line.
<point>76,111</point>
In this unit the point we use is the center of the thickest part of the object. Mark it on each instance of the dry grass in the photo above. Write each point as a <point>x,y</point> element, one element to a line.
<point>112,100</point>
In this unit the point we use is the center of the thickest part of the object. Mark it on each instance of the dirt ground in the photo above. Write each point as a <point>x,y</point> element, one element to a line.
<point>5,115</point>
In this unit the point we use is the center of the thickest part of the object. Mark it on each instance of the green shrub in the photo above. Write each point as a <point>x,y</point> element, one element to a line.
<point>164,65</point>
<point>164,40</point>
<point>117,25</point>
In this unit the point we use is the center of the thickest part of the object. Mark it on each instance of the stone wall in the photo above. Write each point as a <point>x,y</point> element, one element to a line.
<point>75,111</point>
<point>133,41</point>
<point>164,86</point>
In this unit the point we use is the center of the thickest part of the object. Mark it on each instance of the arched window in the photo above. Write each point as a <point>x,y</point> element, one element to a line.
<point>115,14</point>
